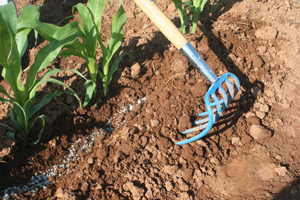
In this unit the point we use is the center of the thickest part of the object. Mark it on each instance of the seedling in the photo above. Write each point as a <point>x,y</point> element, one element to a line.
<point>198,6</point>
<point>182,11</point>
<point>13,43</point>
<point>195,7</point>
<point>90,18</point>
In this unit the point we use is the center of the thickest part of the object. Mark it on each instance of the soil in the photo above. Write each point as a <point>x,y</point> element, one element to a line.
<point>124,147</point>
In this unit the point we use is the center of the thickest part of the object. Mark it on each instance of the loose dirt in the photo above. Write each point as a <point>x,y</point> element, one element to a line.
<point>124,147</point>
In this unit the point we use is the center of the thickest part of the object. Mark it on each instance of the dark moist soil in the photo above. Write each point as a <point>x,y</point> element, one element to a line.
<point>124,147</point>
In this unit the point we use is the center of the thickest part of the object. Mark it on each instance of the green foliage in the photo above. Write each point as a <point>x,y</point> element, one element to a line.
<point>198,6</point>
<point>90,21</point>
<point>195,7</point>
<point>182,11</point>
<point>13,43</point>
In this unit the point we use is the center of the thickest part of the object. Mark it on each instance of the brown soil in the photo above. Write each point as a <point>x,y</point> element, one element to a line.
<point>124,148</point>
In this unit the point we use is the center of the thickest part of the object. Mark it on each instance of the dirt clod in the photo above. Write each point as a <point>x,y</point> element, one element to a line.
<point>259,133</point>
<point>135,70</point>
<point>281,171</point>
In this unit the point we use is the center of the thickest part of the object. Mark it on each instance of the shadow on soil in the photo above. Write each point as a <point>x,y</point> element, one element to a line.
<point>291,192</point>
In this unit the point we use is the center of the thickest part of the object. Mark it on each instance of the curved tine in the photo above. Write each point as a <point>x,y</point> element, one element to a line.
<point>215,98</point>
<point>209,124</point>
<point>198,128</point>
<point>211,105</point>
<point>230,87</point>
<point>201,121</point>
<point>225,97</point>
<point>197,137</point>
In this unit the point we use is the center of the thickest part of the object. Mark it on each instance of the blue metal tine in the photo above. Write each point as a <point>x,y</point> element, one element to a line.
<point>230,88</point>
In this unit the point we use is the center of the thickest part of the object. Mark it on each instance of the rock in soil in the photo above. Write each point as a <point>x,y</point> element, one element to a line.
<point>184,123</point>
<point>259,133</point>
<point>6,145</point>
<point>135,70</point>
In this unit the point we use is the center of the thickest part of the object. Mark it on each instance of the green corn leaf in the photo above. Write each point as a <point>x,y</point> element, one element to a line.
<point>2,90</point>
<point>22,117</point>
<point>43,118</point>
<point>47,98</point>
<point>76,72</point>
<point>11,135</point>
<point>45,30</point>
<point>14,121</point>
<point>117,24</point>
<point>90,37</point>
<point>77,46</point>
<point>92,68</point>
<point>64,36</point>
<point>120,2</point>
<point>115,65</point>
<point>96,8</point>
<point>33,91</point>
<point>9,15</point>
<point>28,12</point>
<point>116,39</point>
<point>203,2</point>
<point>71,52</point>
<point>9,55</point>
<point>198,8</point>
<point>89,86</point>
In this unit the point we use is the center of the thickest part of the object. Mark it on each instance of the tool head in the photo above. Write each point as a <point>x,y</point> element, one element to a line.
<point>215,105</point>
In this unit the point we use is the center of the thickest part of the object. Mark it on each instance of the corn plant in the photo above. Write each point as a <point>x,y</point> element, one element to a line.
<point>195,7</point>
<point>198,6</point>
<point>90,26</point>
<point>13,43</point>
<point>182,11</point>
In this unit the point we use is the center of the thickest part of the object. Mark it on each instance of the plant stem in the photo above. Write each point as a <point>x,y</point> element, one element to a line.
<point>195,23</point>
<point>181,19</point>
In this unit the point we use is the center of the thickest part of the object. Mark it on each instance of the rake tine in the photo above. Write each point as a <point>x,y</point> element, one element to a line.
<point>230,87</point>
<point>215,98</point>
<point>211,105</point>
<point>198,128</point>
<point>225,98</point>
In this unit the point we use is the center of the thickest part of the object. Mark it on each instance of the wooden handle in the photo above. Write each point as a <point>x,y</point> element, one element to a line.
<point>162,22</point>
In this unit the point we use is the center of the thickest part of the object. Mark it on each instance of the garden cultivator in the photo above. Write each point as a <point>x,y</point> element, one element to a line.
<point>222,89</point>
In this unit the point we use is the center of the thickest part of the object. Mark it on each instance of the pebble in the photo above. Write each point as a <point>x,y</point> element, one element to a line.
<point>235,140</point>
<point>259,133</point>
<point>231,57</point>
<point>257,62</point>
<point>154,122</point>
<point>250,114</point>
<point>264,108</point>
<point>260,114</point>
<point>281,171</point>
<point>169,186</point>
<point>182,185</point>
<point>253,120</point>
<point>135,70</point>
<point>59,193</point>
